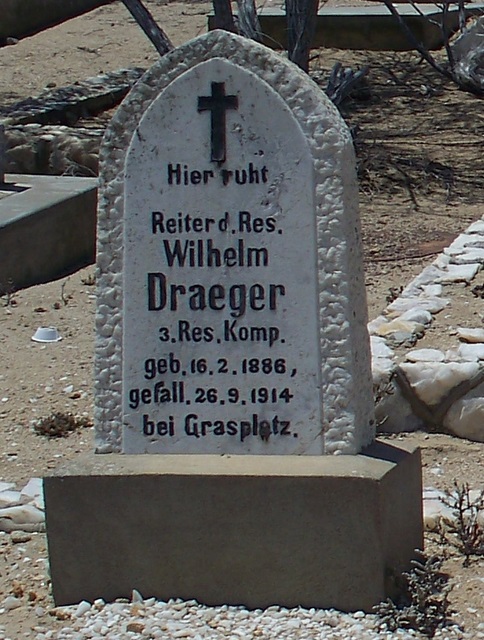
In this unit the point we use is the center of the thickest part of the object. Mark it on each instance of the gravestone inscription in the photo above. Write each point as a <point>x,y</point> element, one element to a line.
<point>241,301</point>
<point>221,345</point>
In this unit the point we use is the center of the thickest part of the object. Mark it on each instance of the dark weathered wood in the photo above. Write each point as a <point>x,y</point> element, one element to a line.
<point>424,52</point>
<point>67,104</point>
<point>343,81</point>
<point>22,18</point>
<point>146,21</point>
<point>224,18</point>
<point>249,25</point>
<point>301,22</point>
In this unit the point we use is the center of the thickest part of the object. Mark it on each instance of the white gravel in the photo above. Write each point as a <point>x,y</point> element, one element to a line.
<point>175,619</point>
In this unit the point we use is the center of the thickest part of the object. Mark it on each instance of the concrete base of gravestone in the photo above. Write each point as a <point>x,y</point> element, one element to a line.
<point>369,27</point>
<point>328,531</point>
<point>47,228</point>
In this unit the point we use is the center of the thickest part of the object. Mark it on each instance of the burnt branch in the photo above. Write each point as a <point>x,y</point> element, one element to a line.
<point>146,21</point>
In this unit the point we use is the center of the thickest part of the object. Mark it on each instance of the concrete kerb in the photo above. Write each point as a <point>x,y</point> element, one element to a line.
<point>47,228</point>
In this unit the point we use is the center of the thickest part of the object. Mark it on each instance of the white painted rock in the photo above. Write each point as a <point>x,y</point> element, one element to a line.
<point>425,277</point>
<point>471,351</point>
<point>434,510</point>
<point>394,414</point>
<point>459,273</point>
<point>136,596</point>
<point>425,355</point>
<point>382,368</point>
<point>400,331</point>
<point>10,498</point>
<point>461,242</point>
<point>476,228</point>
<point>24,518</point>
<point>470,335</point>
<point>441,261</point>
<point>379,348</point>
<point>466,419</point>
<point>468,257</point>
<point>432,304</point>
<point>375,324</point>
<point>33,488</point>
<point>451,355</point>
<point>431,290</point>
<point>432,381</point>
<point>417,314</point>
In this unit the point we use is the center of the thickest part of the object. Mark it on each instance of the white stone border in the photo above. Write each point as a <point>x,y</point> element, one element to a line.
<point>348,421</point>
<point>443,389</point>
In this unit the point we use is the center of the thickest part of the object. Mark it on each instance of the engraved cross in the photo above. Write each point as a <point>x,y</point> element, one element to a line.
<point>218,103</point>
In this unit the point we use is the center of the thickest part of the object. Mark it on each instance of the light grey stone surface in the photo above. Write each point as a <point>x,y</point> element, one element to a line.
<point>345,399</point>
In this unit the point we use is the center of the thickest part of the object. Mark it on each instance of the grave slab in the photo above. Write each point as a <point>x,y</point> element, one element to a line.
<point>47,228</point>
<point>371,28</point>
<point>315,531</point>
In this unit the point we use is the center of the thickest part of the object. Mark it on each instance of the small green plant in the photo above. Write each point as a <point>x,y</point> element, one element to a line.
<point>60,425</point>
<point>424,604</point>
<point>465,531</point>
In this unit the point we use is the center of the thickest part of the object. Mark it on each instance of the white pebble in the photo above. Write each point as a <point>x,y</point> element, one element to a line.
<point>11,602</point>
<point>82,608</point>
<point>136,596</point>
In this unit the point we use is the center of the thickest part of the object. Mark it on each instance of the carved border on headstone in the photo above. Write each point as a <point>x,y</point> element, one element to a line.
<point>345,354</point>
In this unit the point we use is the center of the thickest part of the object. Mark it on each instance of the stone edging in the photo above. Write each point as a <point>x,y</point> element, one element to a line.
<point>430,388</point>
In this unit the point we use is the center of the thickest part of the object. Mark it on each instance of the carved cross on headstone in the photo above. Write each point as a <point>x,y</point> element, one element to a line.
<point>217,103</point>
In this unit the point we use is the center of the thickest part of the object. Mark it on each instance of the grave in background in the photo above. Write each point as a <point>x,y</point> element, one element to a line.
<point>47,228</point>
<point>371,28</point>
<point>228,195</point>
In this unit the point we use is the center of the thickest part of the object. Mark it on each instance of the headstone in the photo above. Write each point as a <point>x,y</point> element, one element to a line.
<point>231,318</point>
<point>231,306</point>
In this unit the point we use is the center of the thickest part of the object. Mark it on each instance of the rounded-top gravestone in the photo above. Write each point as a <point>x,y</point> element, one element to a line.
<point>231,310</point>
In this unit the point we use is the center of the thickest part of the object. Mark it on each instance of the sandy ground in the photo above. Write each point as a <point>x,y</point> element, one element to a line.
<point>421,179</point>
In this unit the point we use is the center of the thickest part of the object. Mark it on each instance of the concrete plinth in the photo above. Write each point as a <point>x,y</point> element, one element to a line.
<point>327,531</point>
<point>47,228</point>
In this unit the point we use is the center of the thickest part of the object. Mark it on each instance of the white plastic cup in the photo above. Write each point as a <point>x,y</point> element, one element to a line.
<point>46,334</point>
